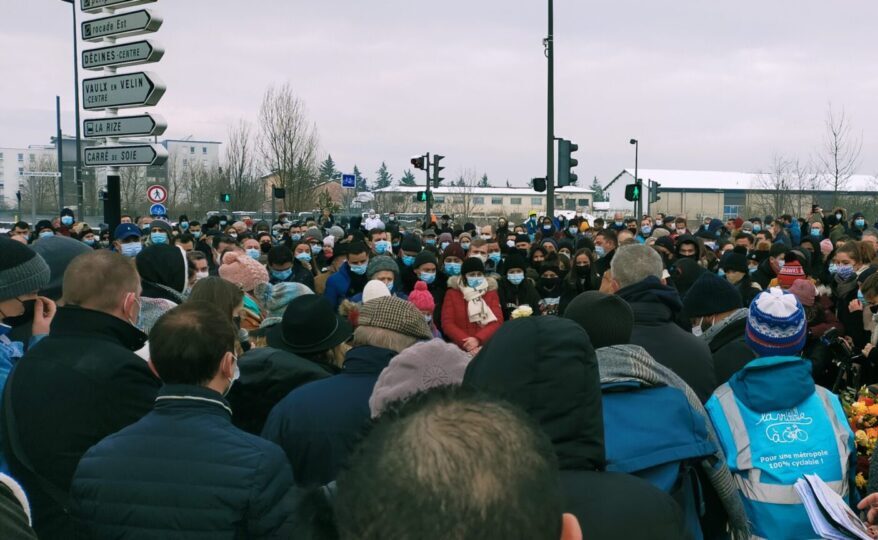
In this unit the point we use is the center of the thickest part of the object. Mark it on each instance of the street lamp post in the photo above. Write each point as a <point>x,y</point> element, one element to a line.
<point>77,171</point>
<point>549,44</point>
<point>637,203</point>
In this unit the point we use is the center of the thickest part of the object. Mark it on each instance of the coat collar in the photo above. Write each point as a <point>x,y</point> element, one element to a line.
<point>187,396</point>
<point>367,360</point>
<point>78,321</point>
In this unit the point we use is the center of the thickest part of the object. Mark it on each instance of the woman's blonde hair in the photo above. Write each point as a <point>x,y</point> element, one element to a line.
<point>383,338</point>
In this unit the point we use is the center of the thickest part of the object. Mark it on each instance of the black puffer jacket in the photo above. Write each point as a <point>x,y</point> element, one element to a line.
<point>656,307</point>
<point>557,382</point>
<point>184,471</point>
<point>729,349</point>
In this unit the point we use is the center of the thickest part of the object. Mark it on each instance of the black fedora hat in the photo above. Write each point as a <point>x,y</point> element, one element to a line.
<point>309,325</point>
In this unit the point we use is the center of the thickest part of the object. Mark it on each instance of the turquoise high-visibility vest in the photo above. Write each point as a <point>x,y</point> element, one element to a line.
<point>768,451</point>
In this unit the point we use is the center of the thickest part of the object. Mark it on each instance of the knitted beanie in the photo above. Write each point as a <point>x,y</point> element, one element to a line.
<point>607,319</point>
<point>747,226</point>
<point>445,237</point>
<point>665,242</point>
<point>336,232</point>
<point>276,297</point>
<point>826,247</point>
<point>411,242</point>
<point>243,271</point>
<point>425,257</point>
<point>776,324</point>
<point>22,271</point>
<point>789,273</point>
<point>472,264</point>
<point>515,260</point>
<point>381,263</point>
<point>394,314</point>
<point>454,250</point>
<point>709,295</point>
<point>375,289</point>
<point>660,232</point>
<point>734,262</point>
<point>313,234</point>
<point>466,237</point>
<point>422,366</point>
<point>805,291</point>
<point>421,298</point>
<point>58,252</point>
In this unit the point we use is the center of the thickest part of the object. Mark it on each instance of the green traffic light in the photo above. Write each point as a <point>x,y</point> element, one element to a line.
<point>636,192</point>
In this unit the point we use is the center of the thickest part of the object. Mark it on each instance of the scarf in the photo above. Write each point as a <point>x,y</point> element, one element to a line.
<point>711,332</point>
<point>476,308</point>
<point>620,363</point>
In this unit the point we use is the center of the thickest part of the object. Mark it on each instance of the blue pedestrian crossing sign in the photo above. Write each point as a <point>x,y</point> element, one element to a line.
<point>348,181</point>
<point>158,210</point>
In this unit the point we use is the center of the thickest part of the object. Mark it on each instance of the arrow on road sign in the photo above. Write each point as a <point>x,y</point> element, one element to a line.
<point>125,156</point>
<point>157,194</point>
<point>141,89</point>
<point>95,6</point>
<point>141,125</point>
<point>134,23</point>
<point>348,180</point>
<point>128,54</point>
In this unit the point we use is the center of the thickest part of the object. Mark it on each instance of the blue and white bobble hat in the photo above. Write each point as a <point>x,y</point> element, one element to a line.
<point>776,324</point>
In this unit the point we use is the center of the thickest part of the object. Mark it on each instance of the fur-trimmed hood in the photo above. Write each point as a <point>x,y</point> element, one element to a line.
<point>454,283</point>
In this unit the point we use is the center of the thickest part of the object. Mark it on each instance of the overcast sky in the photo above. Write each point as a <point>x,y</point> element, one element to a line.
<point>702,85</point>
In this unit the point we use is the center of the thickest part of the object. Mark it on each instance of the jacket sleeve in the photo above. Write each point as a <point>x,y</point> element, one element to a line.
<point>486,332</point>
<point>331,293</point>
<point>451,309</point>
<point>133,391</point>
<point>272,498</point>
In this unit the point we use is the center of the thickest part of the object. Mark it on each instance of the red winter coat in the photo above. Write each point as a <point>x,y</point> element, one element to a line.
<point>455,320</point>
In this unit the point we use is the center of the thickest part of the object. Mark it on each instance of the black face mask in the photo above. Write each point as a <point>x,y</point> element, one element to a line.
<point>583,271</point>
<point>265,247</point>
<point>25,318</point>
<point>549,283</point>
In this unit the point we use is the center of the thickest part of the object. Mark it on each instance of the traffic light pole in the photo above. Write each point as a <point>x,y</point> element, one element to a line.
<point>429,201</point>
<point>638,202</point>
<point>550,132</point>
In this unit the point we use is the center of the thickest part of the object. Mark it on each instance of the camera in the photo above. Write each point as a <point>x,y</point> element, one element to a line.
<point>844,358</point>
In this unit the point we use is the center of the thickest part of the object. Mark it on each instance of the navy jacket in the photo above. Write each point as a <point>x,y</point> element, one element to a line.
<point>184,471</point>
<point>317,424</point>
<point>338,286</point>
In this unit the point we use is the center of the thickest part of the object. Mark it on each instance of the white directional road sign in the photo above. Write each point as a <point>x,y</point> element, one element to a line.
<point>121,156</point>
<point>95,6</point>
<point>157,194</point>
<point>142,21</point>
<point>141,125</point>
<point>121,91</point>
<point>128,54</point>
<point>40,173</point>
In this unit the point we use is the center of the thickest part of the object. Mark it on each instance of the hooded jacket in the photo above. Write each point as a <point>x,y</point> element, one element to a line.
<point>655,308</point>
<point>163,275</point>
<point>557,382</point>
<point>455,318</point>
<point>727,345</point>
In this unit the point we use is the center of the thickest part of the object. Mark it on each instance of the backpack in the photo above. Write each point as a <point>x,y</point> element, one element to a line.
<point>652,432</point>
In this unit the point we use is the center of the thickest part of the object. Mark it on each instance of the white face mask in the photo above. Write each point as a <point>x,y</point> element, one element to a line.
<point>236,374</point>
<point>200,275</point>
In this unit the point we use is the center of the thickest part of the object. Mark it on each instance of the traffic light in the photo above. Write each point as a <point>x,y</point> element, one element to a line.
<point>418,162</point>
<point>423,196</point>
<point>632,192</point>
<point>539,184</point>
<point>566,162</point>
<point>225,197</point>
<point>654,192</point>
<point>437,169</point>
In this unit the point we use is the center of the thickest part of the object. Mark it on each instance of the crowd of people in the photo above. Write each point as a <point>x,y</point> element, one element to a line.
<point>361,378</point>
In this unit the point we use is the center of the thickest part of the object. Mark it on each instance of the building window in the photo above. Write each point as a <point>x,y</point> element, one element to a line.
<point>515,200</point>
<point>438,199</point>
<point>203,149</point>
<point>496,200</point>
<point>20,157</point>
<point>582,202</point>
<point>536,200</point>
<point>478,200</point>
<point>32,158</point>
<point>20,171</point>
<point>1,156</point>
<point>457,200</point>
<point>731,211</point>
<point>185,162</point>
<point>191,149</point>
<point>570,204</point>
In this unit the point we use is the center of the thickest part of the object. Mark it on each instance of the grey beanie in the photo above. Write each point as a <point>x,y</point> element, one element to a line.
<point>22,271</point>
<point>336,231</point>
<point>382,262</point>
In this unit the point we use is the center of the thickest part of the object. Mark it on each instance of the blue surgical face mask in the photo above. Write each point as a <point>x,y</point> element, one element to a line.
<point>184,225</point>
<point>316,248</point>
<point>381,247</point>
<point>845,271</point>
<point>859,222</point>
<point>427,277</point>
<point>444,245</point>
<point>67,220</point>
<point>453,269</point>
<point>494,257</point>
<point>296,237</point>
<point>515,279</point>
<point>464,245</point>
<point>721,273</point>
<point>833,268</point>
<point>359,269</point>
<point>757,227</point>
<point>475,281</point>
<point>572,231</point>
<point>158,238</point>
<point>390,286</point>
<point>547,229</point>
<point>46,234</point>
<point>816,232</point>
<point>131,249</point>
<point>282,275</point>
<point>430,241</point>
<point>196,234</point>
<point>408,260</point>
<point>862,298</point>
<point>646,230</point>
<point>254,253</point>
<point>304,257</point>
<point>600,251</point>
<point>752,269</point>
<point>224,223</point>
<point>89,242</point>
<point>781,263</point>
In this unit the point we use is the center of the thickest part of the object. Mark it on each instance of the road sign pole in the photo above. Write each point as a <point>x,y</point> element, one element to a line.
<point>113,203</point>
<point>273,216</point>
<point>427,220</point>
<point>77,173</point>
<point>58,148</point>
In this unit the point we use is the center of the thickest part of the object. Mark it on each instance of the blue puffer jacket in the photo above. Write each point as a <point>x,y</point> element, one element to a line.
<point>184,471</point>
<point>337,286</point>
<point>318,424</point>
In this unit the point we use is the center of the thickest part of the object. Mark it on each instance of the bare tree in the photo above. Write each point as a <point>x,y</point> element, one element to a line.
<point>289,145</point>
<point>133,184</point>
<point>840,157</point>
<point>774,195</point>
<point>806,180</point>
<point>40,193</point>
<point>240,169</point>
<point>461,201</point>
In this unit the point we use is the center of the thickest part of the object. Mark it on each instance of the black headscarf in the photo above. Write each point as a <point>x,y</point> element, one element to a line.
<point>162,270</point>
